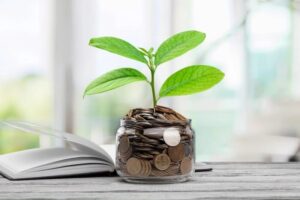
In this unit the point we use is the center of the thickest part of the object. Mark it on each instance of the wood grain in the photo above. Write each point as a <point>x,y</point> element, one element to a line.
<point>226,181</point>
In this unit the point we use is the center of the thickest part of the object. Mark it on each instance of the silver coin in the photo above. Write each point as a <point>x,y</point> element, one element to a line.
<point>172,136</point>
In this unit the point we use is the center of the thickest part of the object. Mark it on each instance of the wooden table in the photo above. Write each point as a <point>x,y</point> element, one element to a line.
<point>226,181</point>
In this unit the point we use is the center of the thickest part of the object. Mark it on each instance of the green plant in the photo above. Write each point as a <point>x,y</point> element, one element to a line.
<point>189,80</point>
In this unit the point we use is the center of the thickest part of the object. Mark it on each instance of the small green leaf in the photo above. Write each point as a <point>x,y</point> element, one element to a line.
<point>177,45</point>
<point>114,79</point>
<point>151,50</point>
<point>118,46</point>
<point>144,51</point>
<point>192,79</point>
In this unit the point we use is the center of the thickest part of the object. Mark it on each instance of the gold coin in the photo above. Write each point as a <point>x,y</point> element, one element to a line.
<point>186,165</point>
<point>149,168</point>
<point>160,116</point>
<point>162,161</point>
<point>146,168</point>
<point>133,166</point>
<point>170,117</point>
<point>163,109</point>
<point>125,156</point>
<point>172,170</point>
<point>143,168</point>
<point>180,117</point>
<point>176,153</point>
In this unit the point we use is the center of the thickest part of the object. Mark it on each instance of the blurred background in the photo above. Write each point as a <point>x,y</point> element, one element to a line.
<point>252,115</point>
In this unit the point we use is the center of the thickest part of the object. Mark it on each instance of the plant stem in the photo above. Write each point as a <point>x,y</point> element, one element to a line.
<point>152,68</point>
<point>152,83</point>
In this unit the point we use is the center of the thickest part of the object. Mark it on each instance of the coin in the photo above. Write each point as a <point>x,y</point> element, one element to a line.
<point>139,118</point>
<point>146,168</point>
<point>142,144</point>
<point>147,140</point>
<point>186,165</point>
<point>176,153</point>
<point>130,131</point>
<point>153,152</point>
<point>158,173</point>
<point>147,149</point>
<point>172,170</point>
<point>154,132</point>
<point>143,168</point>
<point>143,155</point>
<point>148,117</point>
<point>180,117</point>
<point>133,166</point>
<point>170,117</point>
<point>124,144</point>
<point>160,116</point>
<point>144,123</point>
<point>162,161</point>
<point>161,146</point>
<point>171,136</point>
<point>126,155</point>
<point>149,168</point>
<point>163,109</point>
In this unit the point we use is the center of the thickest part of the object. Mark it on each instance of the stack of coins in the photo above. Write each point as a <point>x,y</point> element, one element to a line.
<point>155,142</point>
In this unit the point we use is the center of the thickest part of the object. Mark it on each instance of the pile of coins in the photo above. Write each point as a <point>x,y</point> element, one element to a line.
<point>154,142</point>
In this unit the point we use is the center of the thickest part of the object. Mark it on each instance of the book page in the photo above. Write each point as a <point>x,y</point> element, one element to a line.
<point>74,141</point>
<point>110,149</point>
<point>29,159</point>
<point>67,163</point>
<point>67,171</point>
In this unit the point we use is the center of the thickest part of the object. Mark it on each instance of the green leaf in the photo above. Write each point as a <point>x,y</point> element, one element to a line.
<point>192,79</point>
<point>177,45</point>
<point>118,46</point>
<point>114,79</point>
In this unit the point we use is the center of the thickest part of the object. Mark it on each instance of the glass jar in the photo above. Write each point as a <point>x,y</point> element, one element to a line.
<point>153,148</point>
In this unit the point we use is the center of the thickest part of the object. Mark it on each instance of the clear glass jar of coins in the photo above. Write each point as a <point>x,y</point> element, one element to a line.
<point>155,145</point>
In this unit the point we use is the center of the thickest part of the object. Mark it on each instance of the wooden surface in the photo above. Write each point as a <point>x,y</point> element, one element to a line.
<point>226,181</point>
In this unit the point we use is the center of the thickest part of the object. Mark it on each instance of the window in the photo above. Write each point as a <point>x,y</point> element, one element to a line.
<point>25,75</point>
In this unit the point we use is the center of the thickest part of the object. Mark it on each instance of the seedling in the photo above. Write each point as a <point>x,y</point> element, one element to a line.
<point>189,80</point>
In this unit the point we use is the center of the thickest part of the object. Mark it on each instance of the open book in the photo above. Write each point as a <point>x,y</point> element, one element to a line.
<point>78,157</point>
